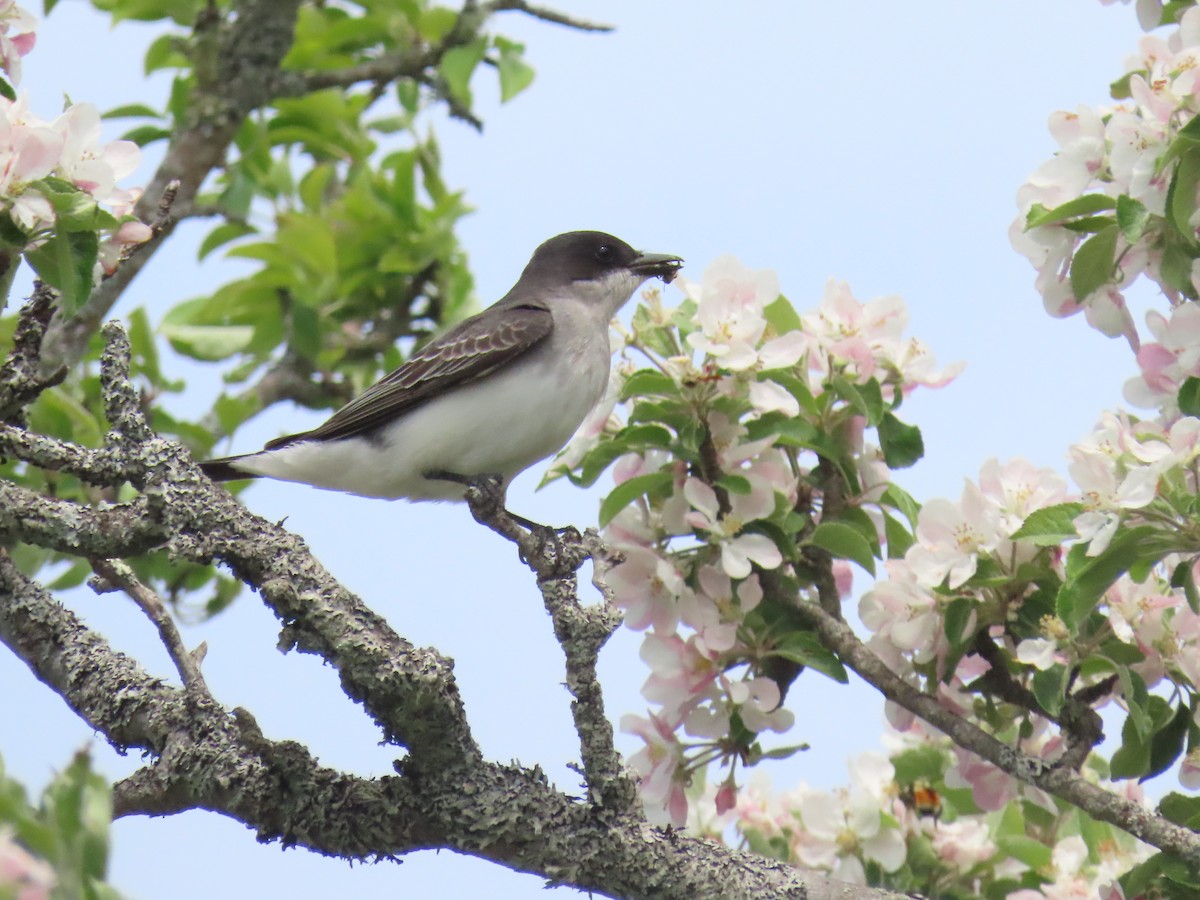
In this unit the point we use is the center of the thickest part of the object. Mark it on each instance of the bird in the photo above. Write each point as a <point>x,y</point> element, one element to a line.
<point>491,397</point>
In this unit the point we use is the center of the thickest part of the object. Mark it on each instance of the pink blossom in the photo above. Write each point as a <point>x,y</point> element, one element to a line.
<point>950,538</point>
<point>660,766</point>
<point>964,843</point>
<point>32,878</point>
<point>1018,488</point>
<point>903,613</point>
<point>93,168</point>
<point>738,550</point>
<point>841,826</point>
<point>758,700</point>
<point>729,311</point>
<point>16,37</point>
<point>1167,362</point>
<point>991,788</point>
<point>649,587</point>
<point>680,671</point>
<point>1038,652</point>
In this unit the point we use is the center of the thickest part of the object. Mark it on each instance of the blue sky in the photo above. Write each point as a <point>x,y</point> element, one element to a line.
<point>881,144</point>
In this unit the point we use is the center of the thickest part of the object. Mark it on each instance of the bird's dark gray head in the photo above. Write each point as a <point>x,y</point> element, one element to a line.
<point>592,256</point>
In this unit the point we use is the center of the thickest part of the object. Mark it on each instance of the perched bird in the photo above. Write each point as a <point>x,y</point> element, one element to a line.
<point>489,398</point>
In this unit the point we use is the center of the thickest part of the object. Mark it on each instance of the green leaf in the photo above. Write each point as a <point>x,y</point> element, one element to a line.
<point>1189,396</point>
<point>458,65</point>
<point>958,617</point>
<point>648,383</point>
<point>208,342</point>
<point>65,262</point>
<point>1080,206</point>
<point>902,501</point>
<point>735,484</point>
<point>1167,743</point>
<point>1139,722</point>
<point>1089,224</point>
<point>1132,758</point>
<point>223,234</point>
<point>899,538</point>
<point>165,52</point>
<point>1176,268</point>
<point>144,135</point>
<point>1050,525</point>
<point>305,333</point>
<point>1050,688</point>
<point>515,73</point>
<point>132,111</point>
<point>1181,809</point>
<point>1119,89</point>
<point>844,542</point>
<point>902,444</point>
<point>779,753</point>
<point>628,491</point>
<point>1182,579</point>
<point>805,648</point>
<point>1181,194</point>
<point>1089,577</point>
<point>1028,850</point>
<point>1132,218</point>
<point>1094,263</point>
<point>782,316</point>
<point>922,763</point>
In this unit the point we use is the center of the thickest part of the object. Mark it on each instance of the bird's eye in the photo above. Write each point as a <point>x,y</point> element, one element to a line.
<point>604,253</point>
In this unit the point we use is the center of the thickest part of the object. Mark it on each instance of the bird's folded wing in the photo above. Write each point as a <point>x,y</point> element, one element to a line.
<point>468,352</point>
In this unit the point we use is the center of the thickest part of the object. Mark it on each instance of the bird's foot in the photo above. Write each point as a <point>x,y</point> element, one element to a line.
<point>553,552</point>
<point>549,551</point>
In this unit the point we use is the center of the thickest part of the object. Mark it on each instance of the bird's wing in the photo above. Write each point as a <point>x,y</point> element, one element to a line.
<point>466,353</point>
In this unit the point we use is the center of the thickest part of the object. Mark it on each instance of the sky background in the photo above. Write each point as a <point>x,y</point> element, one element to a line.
<point>877,143</point>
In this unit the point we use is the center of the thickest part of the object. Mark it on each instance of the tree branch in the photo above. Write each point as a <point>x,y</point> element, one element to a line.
<point>1058,780</point>
<point>22,377</point>
<point>115,575</point>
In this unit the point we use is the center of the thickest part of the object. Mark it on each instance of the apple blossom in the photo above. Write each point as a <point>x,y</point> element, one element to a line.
<point>22,875</point>
<point>738,550</point>
<point>963,844</point>
<point>659,765</point>
<point>951,537</point>
<point>16,37</point>
<point>729,312</point>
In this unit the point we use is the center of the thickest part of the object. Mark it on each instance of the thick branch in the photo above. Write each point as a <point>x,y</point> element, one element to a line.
<point>109,532</point>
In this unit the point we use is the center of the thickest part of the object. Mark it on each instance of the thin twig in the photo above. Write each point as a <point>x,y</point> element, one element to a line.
<point>117,575</point>
<point>546,15</point>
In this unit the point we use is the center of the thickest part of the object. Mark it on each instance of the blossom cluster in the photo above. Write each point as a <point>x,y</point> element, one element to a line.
<point>46,165</point>
<point>1118,200</point>
<point>875,822</point>
<point>717,496</point>
<point>734,369</point>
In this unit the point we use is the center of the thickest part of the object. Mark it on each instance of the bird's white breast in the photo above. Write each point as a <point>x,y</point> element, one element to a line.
<point>501,424</point>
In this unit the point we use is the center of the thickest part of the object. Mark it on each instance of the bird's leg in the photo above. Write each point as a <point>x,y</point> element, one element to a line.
<point>485,495</point>
<point>489,495</point>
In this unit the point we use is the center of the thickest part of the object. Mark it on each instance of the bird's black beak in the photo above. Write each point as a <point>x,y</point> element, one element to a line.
<point>657,265</point>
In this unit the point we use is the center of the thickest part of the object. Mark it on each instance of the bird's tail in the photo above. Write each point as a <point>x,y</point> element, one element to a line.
<point>224,469</point>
